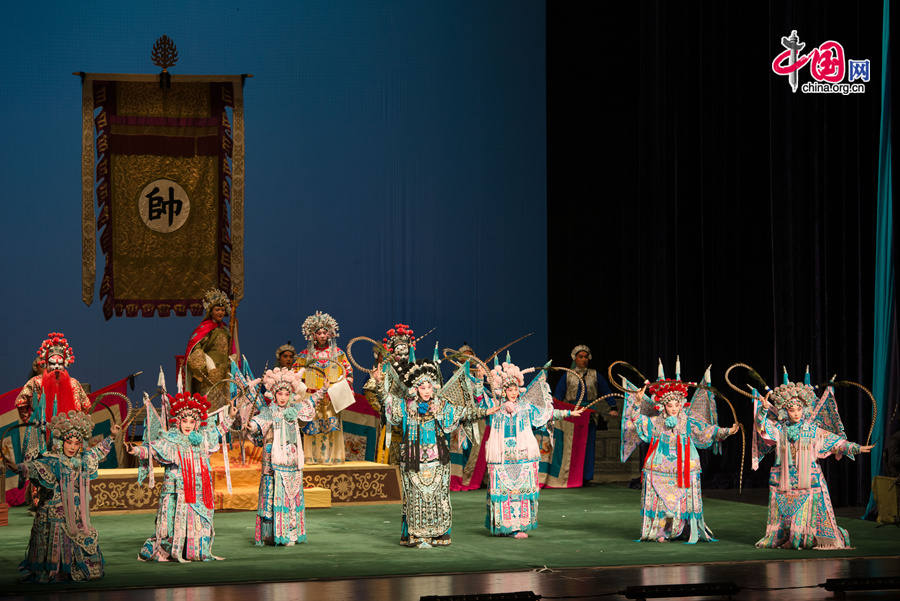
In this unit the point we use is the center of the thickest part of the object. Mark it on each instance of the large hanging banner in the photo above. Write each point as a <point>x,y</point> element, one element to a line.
<point>167,165</point>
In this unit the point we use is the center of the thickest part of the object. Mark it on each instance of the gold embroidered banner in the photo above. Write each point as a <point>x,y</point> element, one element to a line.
<point>168,171</point>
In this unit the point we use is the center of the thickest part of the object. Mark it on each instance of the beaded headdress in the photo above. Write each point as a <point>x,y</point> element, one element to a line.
<point>793,393</point>
<point>318,321</point>
<point>414,374</point>
<point>74,424</point>
<point>216,298</point>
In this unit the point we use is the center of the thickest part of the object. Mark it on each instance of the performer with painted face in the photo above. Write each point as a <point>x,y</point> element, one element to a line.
<point>207,358</point>
<point>396,346</point>
<point>63,543</point>
<point>802,429</point>
<point>50,393</point>
<point>674,427</point>
<point>323,440</point>
<point>513,454</point>
<point>427,412</point>
<point>184,519</point>
<point>280,513</point>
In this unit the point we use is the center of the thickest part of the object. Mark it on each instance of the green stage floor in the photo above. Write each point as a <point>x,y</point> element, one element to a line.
<point>593,526</point>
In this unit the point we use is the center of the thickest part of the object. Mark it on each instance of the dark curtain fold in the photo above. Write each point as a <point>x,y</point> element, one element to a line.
<point>710,212</point>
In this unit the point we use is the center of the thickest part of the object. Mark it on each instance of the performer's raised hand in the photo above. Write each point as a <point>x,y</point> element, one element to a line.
<point>733,429</point>
<point>115,429</point>
<point>866,448</point>
<point>479,372</point>
<point>232,411</point>
<point>578,411</point>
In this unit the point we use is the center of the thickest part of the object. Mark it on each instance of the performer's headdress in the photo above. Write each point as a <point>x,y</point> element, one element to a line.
<point>55,344</point>
<point>414,374</point>
<point>400,333</point>
<point>578,349</point>
<point>187,405</point>
<point>505,376</point>
<point>216,298</point>
<point>466,349</point>
<point>283,379</point>
<point>791,394</point>
<point>285,348</point>
<point>318,321</point>
<point>665,391</point>
<point>71,425</point>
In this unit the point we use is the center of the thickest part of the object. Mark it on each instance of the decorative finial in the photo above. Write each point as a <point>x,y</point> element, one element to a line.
<point>660,373</point>
<point>677,367</point>
<point>164,53</point>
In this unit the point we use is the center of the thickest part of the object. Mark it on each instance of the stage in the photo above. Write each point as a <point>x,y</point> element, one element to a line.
<point>579,528</point>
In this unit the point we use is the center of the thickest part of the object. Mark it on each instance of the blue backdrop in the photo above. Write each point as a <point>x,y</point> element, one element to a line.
<point>395,171</point>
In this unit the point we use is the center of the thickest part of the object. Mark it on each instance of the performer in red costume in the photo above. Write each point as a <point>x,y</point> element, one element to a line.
<point>50,393</point>
<point>207,358</point>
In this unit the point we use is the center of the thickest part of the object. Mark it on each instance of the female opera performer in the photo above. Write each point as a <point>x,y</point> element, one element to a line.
<point>184,519</point>
<point>800,512</point>
<point>63,543</point>
<point>428,413</point>
<point>513,455</point>
<point>675,428</point>
<point>280,516</point>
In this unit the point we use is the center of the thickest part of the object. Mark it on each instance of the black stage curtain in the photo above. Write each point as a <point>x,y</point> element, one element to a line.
<point>699,207</point>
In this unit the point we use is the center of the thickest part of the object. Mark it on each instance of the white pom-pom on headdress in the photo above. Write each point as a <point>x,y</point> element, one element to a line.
<point>505,375</point>
<point>283,378</point>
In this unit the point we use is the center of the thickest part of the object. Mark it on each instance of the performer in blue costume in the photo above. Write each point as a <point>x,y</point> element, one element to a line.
<point>568,389</point>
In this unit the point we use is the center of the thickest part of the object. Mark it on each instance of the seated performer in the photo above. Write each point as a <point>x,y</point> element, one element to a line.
<point>184,519</point>
<point>207,358</point>
<point>63,543</point>
<point>323,440</point>
<point>675,428</point>
<point>800,511</point>
<point>50,393</point>
<point>513,455</point>
<point>427,414</point>
<point>280,516</point>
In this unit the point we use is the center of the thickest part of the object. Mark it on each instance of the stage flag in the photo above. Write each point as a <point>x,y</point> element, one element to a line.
<point>167,165</point>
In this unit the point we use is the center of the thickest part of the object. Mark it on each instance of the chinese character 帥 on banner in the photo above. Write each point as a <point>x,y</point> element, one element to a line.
<point>167,168</point>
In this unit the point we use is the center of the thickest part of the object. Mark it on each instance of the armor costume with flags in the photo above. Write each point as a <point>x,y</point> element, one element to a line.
<point>323,440</point>
<point>280,514</point>
<point>184,519</point>
<point>63,544</point>
<point>396,346</point>
<point>800,513</point>
<point>671,500</point>
<point>51,393</point>
<point>513,454</point>
<point>426,423</point>
<point>208,350</point>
